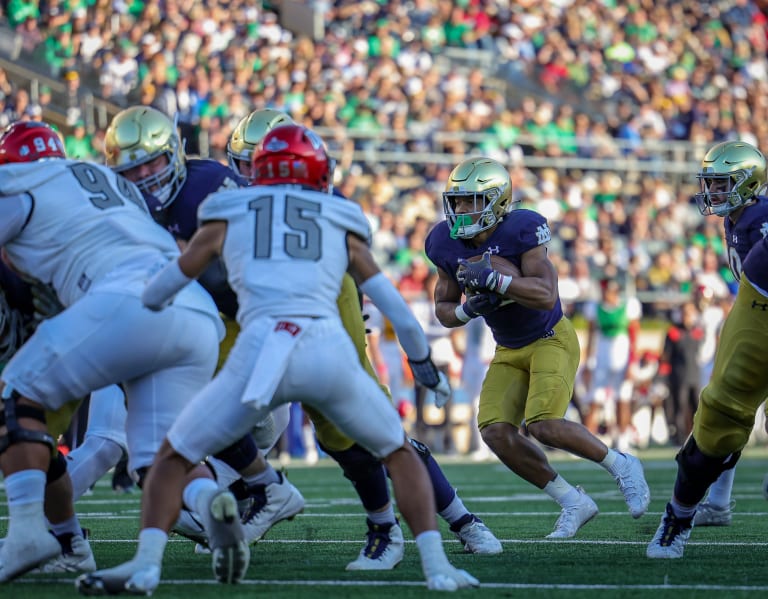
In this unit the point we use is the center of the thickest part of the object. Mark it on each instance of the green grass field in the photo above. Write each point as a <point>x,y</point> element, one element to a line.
<point>306,557</point>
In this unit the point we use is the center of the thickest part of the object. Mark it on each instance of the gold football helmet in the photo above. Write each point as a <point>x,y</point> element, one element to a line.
<point>487,184</point>
<point>139,135</point>
<point>732,173</point>
<point>249,132</point>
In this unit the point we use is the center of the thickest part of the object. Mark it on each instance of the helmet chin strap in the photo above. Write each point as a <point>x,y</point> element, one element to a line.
<point>462,220</point>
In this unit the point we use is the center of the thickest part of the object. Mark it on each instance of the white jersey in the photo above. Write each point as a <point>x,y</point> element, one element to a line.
<point>285,248</point>
<point>84,222</point>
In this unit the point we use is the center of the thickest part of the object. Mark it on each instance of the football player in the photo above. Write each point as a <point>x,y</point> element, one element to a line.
<point>530,379</point>
<point>292,347</point>
<point>732,175</point>
<point>143,145</point>
<point>384,546</point>
<point>87,232</point>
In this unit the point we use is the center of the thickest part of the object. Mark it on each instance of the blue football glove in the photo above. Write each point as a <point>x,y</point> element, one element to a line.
<point>482,303</point>
<point>426,373</point>
<point>481,275</point>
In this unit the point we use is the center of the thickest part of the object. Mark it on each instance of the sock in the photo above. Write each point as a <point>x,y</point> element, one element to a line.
<point>720,490</point>
<point>198,493</point>
<point>26,493</point>
<point>152,543</point>
<point>386,516</point>
<point>90,461</point>
<point>681,511</point>
<point>265,478</point>
<point>70,526</point>
<point>456,512</point>
<point>433,558</point>
<point>613,462</point>
<point>561,491</point>
<point>444,492</point>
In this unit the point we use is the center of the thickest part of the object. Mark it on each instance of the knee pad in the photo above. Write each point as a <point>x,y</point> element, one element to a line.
<point>696,471</point>
<point>56,469</point>
<point>356,462</point>
<point>240,454</point>
<point>421,449</point>
<point>9,418</point>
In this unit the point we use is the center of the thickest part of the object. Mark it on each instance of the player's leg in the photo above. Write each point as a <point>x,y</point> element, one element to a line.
<point>552,363</point>
<point>327,373</point>
<point>723,421</point>
<point>179,384</point>
<point>104,441</point>
<point>502,407</point>
<point>371,486</point>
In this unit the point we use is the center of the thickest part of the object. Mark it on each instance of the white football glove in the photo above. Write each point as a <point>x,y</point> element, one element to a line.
<point>442,391</point>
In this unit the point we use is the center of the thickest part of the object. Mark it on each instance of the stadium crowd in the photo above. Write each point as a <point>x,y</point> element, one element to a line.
<point>609,77</point>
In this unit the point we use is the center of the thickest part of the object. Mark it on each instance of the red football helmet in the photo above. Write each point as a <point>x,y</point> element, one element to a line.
<point>27,141</point>
<point>292,154</point>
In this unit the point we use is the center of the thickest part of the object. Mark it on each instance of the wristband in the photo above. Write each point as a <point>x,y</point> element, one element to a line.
<point>502,283</point>
<point>464,314</point>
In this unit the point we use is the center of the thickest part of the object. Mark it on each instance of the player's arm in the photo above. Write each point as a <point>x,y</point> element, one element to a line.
<point>537,288</point>
<point>372,282</point>
<point>202,249</point>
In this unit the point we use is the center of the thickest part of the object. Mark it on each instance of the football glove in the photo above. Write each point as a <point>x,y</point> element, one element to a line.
<point>480,275</point>
<point>478,304</point>
<point>426,373</point>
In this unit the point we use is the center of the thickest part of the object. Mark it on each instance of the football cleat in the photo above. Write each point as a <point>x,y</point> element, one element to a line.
<point>632,484</point>
<point>451,579</point>
<point>226,538</point>
<point>709,514</point>
<point>272,503</point>
<point>190,526</point>
<point>384,548</point>
<point>477,537</point>
<point>573,517</point>
<point>671,536</point>
<point>131,578</point>
<point>76,556</point>
<point>20,555</point>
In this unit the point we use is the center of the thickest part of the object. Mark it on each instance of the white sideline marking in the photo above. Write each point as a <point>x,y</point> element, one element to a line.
<point>420,583</point>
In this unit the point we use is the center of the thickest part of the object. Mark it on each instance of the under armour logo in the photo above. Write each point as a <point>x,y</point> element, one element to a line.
<point>762,306</point>
<point>735,238</point>
<point>493,250</point>
<point>174,228</point>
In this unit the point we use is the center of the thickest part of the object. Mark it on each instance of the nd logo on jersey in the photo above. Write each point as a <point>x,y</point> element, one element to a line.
<point>543,234</point>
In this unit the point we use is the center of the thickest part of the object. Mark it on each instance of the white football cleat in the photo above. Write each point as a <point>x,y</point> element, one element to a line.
<point>632,484</point>
<point>383,549</point>
<point>451,579</point>
<point>280,501</point>
<point>226,538</point>
<point>477,538</point>
<point>20,555</point>
<point>671,536</point>
<point>132,578</point>
<point>709,514</point>
<point>573,517</point>
<point>79,558</point>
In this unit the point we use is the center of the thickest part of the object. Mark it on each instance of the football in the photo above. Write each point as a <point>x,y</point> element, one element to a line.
<point>504,266</point>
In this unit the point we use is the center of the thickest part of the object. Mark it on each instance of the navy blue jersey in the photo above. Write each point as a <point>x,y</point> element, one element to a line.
<point>751,227</point>
<point>512,325</point>
<point>756,264</point>
<point>180,218</point>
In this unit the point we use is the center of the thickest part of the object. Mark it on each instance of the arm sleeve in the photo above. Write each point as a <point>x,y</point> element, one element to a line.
<point>392,305</point>
<point>164,285</point>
